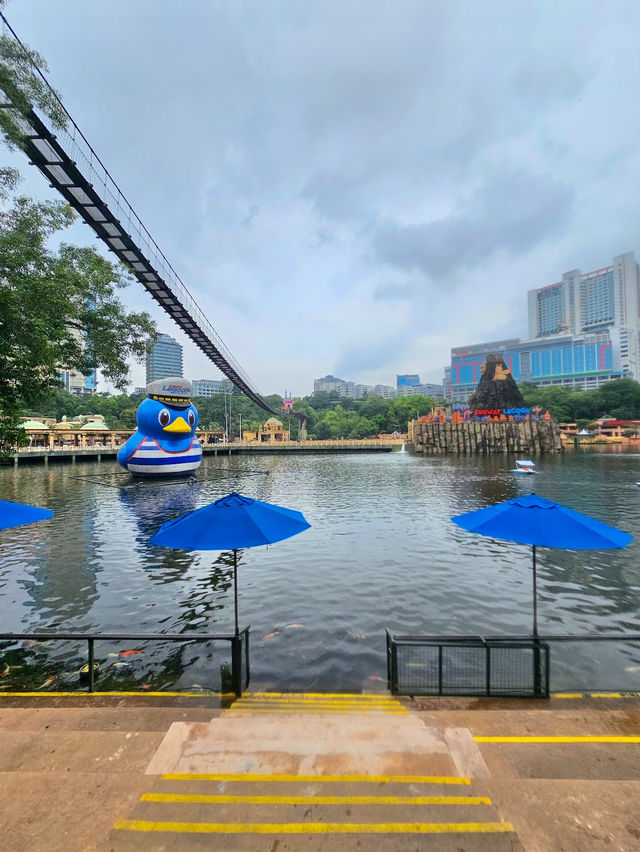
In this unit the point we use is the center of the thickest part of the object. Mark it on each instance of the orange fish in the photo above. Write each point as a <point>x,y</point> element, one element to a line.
<point>375,677</point>
<point>145,686</point>
<point>129,653</point>
<point>270,635</point>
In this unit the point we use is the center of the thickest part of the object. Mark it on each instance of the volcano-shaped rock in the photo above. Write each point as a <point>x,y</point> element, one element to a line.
<point>497,387</point>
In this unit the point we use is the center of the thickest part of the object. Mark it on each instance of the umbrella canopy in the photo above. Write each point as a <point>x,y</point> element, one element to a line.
<point>19,514</point>
<point>231,523</point>
<point>534,520</point>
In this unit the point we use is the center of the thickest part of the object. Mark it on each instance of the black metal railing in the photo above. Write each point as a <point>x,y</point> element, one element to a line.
<point>238,676</point>
<point>504,666</point>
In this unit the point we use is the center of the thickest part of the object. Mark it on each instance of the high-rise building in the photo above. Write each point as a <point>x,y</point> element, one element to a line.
<point>211,387</point>
<point>75,382</point>
<point>409,380</point>
<point>164,358</point>
<point>588,302</point>
<point>583,331</point>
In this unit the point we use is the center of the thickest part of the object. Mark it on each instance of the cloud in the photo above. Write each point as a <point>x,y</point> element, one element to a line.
<point>511,213</point>
<point>321,175</point>
<point>393,292</point>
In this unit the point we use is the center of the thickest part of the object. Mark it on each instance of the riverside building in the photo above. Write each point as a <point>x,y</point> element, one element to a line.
<point>583,331</point>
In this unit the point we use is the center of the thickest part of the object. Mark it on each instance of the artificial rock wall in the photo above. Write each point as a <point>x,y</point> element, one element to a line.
<point>525,438</point>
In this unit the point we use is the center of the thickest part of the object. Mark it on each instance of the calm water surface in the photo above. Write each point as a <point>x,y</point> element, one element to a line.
<point>381,553</point>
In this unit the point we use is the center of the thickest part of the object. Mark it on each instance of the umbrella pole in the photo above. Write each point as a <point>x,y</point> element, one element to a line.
<point>235,586</point>
<point>537,667</point>
<point>535,596</point>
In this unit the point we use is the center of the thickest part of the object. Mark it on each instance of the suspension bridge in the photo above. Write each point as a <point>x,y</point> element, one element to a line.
<point>54,143</point>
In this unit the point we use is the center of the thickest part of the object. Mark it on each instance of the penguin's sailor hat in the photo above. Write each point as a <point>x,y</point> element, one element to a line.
<point>173,391</point>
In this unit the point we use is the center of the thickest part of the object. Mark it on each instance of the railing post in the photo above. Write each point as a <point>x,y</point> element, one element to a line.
<point>236,665</point>
<point>488,671</point>
<point>537,670</point>
<point>90,655</point>
<point>246,658</point>
<point>394,667</point>
<point>439,669</point>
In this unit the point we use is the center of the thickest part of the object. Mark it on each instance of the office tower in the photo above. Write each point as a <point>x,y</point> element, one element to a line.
<point>164,358</point>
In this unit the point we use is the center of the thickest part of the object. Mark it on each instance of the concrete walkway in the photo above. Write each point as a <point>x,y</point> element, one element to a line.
<point>318,772</point>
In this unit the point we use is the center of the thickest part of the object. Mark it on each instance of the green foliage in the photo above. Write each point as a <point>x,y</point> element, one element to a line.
<point>24,88</point>
<point>620,399</point>
<point>58,310</point>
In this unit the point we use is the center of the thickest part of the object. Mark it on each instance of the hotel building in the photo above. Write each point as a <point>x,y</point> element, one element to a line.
<point>583,331</point>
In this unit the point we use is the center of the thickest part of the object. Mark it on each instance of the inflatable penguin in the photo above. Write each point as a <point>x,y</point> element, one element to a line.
<point>165,442</point>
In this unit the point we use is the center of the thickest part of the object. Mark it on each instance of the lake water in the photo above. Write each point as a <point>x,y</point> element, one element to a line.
<point>381,553</point>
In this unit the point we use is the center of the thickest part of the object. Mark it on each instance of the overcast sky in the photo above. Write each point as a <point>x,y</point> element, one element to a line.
<point>351,187</point>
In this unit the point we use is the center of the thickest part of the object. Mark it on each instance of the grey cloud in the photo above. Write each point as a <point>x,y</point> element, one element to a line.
<point>393,292</point>
<point>512,213</point>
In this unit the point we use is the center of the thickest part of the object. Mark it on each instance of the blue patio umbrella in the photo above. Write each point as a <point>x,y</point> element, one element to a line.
<point>231,523</point>
<point>19,514</point>
<point>542,523</point>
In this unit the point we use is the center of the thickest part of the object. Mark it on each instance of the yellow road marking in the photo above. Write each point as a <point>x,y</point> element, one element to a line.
<point>139,694</point>
<point>294,709</point>
<point>314,827</point>
<point>623,694</point>
<point>316,800</point>
<point>336,779</point>
<point>316,702</point>
<point>356,696</point>
<point>545,739</point>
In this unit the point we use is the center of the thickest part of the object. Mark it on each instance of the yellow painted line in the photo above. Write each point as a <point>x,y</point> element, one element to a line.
<point>623,694</point>
<point>314,827</point>
<point>383,702</point>
<point>335,779</point>
<point>544,739</point>
<point>316,710</point>
<point>315,800</point>
<point>139,694</point>
<point>358,696</point>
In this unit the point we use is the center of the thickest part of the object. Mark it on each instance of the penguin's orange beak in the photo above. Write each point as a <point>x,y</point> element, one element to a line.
<point>178,425</point>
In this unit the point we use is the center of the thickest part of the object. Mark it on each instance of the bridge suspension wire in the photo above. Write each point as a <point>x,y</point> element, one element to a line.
<point>64,156</point>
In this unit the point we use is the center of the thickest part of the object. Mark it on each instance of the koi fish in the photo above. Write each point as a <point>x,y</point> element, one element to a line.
<point>375,677</point>
<point>8,669</point>
<point>292,626</point>
<point>270,635</point>
<point>47,682</point>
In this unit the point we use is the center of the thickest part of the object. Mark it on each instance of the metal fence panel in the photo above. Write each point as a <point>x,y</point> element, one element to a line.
<point>467,666</point>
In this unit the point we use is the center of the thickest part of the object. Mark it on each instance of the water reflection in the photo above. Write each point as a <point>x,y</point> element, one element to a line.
<point>381,552</point>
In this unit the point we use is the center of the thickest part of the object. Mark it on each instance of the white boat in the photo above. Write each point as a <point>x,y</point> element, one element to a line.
<point>524,466</point>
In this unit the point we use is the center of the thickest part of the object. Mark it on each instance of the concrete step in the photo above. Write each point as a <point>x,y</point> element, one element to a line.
<point>319,744</point>
<point>257,815</point>
<point>77,751</point>
<point>100,718</point>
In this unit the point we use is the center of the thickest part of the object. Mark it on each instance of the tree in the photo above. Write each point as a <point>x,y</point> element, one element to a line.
<point>58,310</point>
